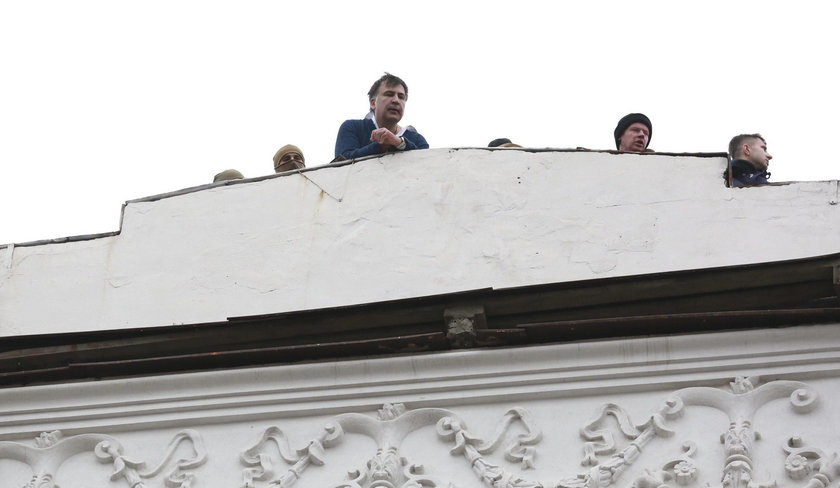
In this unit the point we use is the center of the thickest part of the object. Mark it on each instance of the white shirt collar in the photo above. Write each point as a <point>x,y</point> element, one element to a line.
<point>399,133</point>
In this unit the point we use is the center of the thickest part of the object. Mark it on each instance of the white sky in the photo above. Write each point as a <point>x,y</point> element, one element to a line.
<point>106,101</point>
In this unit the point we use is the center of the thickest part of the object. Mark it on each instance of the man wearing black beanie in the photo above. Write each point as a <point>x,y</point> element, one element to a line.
<point>633,133</point>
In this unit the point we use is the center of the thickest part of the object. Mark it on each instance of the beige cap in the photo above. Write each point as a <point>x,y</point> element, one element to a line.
<point>228,174</point>
<point>288,148</point>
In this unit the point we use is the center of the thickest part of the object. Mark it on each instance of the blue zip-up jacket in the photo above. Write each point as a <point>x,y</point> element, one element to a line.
<point>745,174</point>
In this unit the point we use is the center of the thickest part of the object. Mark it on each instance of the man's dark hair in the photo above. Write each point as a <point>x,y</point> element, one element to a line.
<point>498,142</point>
<point>389,80</point>
<point>736,142</point>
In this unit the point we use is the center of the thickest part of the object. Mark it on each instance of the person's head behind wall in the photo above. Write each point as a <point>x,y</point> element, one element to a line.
<point>227,175</point>
<point>751,148</point>
<point>502,142</point>
<point>287,158</point>
<point>387,97</point>
<point>633,133</point>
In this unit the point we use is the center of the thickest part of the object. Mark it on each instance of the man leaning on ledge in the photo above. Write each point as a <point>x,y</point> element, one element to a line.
<point>380,131</point>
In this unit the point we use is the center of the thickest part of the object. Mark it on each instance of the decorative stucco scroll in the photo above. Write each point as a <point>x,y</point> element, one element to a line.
<point>260,465</point>
<point>386,469</point>
<point>607,454</point>
<point>820,467</point>
<point>52,450</point>
<point>741,405</point>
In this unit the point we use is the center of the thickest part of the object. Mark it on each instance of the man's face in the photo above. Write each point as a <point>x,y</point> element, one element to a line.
<point>288,162</point>
<point>756,153</point>
<point>389,105</point>
<point>635,138</point>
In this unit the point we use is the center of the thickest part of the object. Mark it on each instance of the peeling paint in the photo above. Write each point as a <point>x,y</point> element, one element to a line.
<point>118,282</point>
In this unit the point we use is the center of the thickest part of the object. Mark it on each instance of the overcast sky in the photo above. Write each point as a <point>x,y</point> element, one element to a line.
<point>107,101</point>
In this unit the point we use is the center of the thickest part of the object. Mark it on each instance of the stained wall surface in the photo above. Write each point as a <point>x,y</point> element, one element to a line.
<point>739,409</point>
<point>407,225</point>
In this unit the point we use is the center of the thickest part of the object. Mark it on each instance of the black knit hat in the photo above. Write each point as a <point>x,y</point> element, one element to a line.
<point>629,120</point>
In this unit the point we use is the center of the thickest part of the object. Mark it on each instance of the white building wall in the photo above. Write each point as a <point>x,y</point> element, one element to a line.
<point>408,225</point>
<point>649,412</point>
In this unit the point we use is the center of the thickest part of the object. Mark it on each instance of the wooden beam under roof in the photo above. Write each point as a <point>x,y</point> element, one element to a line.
<point>759,295</point>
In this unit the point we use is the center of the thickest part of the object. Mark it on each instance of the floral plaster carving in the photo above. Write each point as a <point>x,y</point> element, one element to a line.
<point>52,450</point>
<point>806,461</point>
<point>42,480</point>
<point>260,466</point>
<point>386,469</point>
<point>602,455</point>
<point>681,470</point>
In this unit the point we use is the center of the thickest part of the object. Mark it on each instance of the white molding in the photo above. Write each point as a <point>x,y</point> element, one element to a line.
<point>456,377</point>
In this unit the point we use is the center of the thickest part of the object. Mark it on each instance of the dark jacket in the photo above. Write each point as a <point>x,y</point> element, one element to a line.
<point>353,140</point>
<point>745,174</point>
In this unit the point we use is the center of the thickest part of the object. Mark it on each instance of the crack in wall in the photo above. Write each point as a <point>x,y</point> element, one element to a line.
<point>323,190</point>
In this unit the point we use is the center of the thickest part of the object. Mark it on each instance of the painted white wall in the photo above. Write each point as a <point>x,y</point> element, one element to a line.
<point>683,382</point>
<point>407,225</point>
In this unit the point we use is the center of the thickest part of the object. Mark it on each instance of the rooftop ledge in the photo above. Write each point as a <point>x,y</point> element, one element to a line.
<point>407,225</point>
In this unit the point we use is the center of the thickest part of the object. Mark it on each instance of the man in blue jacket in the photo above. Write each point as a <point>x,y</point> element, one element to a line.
<point>380,131</point>
<point>749,160</point>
